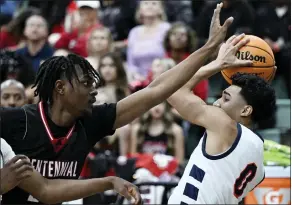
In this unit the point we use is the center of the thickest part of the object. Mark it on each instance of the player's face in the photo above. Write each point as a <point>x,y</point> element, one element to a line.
<point>12,96</point>
<point>233,103</point>
<point>80,96</point>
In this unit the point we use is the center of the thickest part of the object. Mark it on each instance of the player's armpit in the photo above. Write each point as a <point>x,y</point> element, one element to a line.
<point>196,111</point>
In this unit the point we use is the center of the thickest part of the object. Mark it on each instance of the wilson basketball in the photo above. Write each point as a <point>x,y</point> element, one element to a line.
<point>258,51</point>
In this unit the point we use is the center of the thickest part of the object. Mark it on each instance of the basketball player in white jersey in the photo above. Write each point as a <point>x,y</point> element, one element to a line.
<point>228,161</point>
<point>13,168</point>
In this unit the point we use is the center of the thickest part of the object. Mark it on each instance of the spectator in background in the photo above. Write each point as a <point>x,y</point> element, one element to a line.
<point>14,66</point>
<point>119,17</point>
<point>241,10</point>
<point>157,133</point>
<point>76,40</point>
<point>12,34</point>
<point>61,52</point>
<point>37,48</point>
<point>179,43</point>
<point>8,9</point>
<point>179,11</point>
<point>99,43</point>
<point>114,75</point>
<point>159,65</point>
<point>54,11</point>
<point>115,88</point>
<point>145,42</point>
<point>273,24</point>
<point>12,94</point>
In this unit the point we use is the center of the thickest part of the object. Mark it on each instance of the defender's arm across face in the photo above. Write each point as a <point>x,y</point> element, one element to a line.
<point>194,109</point>
<point>166,84</point>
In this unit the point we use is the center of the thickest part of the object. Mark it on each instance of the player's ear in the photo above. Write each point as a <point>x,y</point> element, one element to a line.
<point>60,87</point>
<point>246,111</point>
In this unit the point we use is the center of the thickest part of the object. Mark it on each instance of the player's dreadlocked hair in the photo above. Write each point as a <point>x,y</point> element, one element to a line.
<point>58,67</point>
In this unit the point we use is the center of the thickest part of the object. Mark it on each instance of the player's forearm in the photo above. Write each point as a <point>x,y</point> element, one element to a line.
<point>67,190</point>
<point>172,80</point>
<point>203,73</point>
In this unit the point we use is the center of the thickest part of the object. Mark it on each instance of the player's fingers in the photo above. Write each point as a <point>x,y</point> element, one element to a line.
<point>16,158</point>
<point>241,43</point>
<point>229,40</point>
<point>25,174</point>
<point>243,63</point>
<point>24,168</point>
<point>227,23</point>
<point>21,163</point>
<point>237,39</point>
<point>125,192</point>
<point>136,195</point>
<point>215,18</point>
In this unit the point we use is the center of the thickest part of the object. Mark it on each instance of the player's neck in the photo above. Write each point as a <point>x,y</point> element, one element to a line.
<point>247,123</point>
<point>60,116</point>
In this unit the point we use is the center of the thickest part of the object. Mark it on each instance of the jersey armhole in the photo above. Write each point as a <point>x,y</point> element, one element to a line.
<point>24,135</point>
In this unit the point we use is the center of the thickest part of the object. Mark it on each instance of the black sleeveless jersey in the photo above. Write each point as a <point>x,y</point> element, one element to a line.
<point>55,152</point>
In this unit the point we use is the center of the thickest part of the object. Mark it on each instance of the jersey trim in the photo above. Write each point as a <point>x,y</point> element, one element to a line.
<point>59,143</point>
<point>259,135</point>
<point>225,154</point>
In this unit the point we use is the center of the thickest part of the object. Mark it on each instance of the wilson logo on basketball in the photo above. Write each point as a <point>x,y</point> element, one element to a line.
<point>248,56</point>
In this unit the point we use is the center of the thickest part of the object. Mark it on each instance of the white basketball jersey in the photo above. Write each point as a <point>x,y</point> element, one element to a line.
<point>224,178</point>
<point>6,154</point>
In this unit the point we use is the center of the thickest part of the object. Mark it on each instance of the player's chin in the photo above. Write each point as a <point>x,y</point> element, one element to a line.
<point>88,110</point>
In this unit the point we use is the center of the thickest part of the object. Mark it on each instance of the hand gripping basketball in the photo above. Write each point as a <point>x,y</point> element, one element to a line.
<point>217,32</point>
<point>227,53</point>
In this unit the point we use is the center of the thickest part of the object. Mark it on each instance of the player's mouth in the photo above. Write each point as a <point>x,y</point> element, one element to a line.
<point>92,100</point>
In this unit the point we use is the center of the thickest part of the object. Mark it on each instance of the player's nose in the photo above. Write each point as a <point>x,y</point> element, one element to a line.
<point>216,104</point>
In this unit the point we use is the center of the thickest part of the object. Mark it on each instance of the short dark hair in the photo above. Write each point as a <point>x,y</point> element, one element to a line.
<point>59,67</point>
<point>258,93</point>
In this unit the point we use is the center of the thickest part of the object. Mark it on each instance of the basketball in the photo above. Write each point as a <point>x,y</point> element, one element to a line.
<point>262,56</point>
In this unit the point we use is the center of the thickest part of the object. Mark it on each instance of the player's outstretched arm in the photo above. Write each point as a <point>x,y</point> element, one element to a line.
<point>52,191</point>
<point>193,108</point>
<point>166,84</point>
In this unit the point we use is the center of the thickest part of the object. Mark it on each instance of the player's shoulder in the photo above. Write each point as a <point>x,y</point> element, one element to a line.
<point>251,135</point>
<point>10,113</point>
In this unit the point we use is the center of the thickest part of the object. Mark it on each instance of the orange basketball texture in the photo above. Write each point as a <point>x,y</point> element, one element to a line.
<point>262,56</point>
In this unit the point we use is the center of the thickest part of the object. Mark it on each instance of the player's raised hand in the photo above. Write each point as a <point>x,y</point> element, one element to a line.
<point>227,53</point>
<point>217,32</point>
<point>127,189</point>
<point>14,171</point>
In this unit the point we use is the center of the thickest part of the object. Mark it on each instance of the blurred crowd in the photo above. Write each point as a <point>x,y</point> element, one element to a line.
<point>130,43</point>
